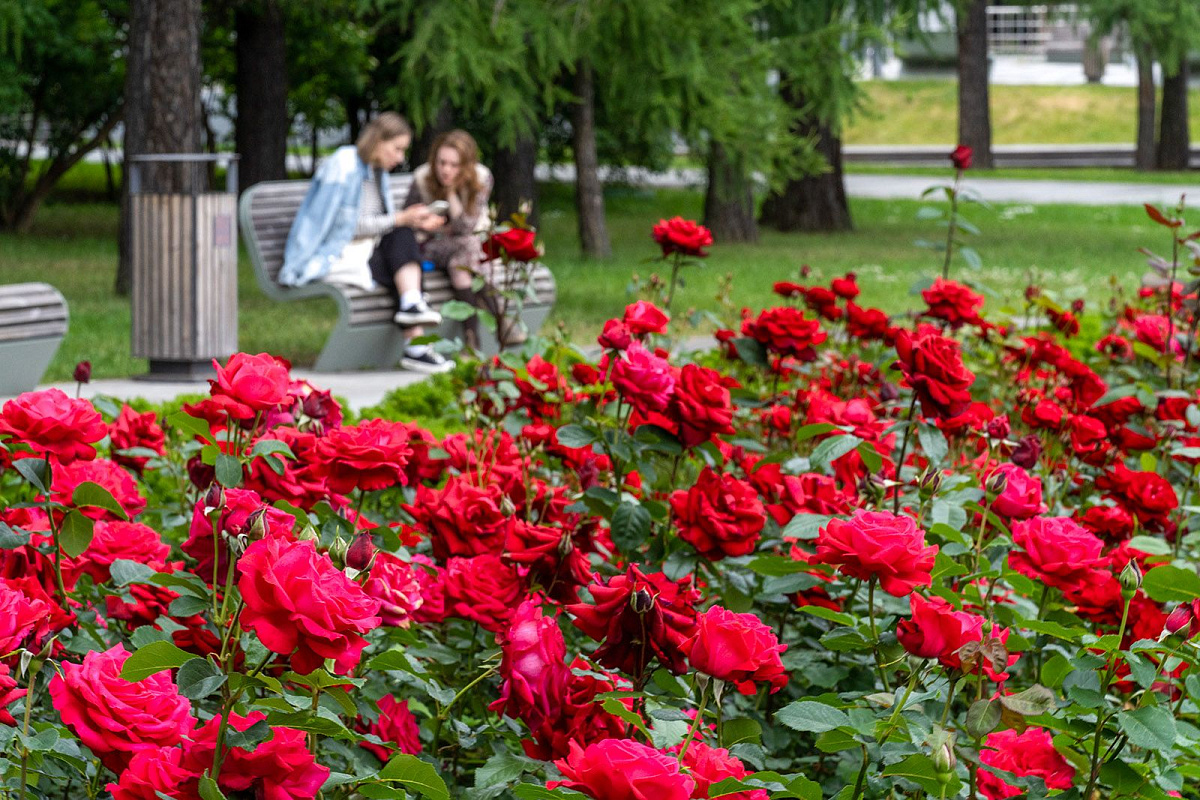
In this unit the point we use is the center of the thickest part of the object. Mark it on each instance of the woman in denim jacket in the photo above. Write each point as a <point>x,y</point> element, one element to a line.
<point>348,232</point>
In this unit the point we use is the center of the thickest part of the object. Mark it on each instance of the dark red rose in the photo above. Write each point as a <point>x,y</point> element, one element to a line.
<point>786,331</point>
<point>547,557</point>
<point>1146,495</point>
<point>369,456</point>
<point>52,423</point>
<point>788,289</point>
<point>299,483</point>
<point>637,618</point>
<point>952,302</point>
<point>845,287</point>
<point>482,589</point>
<point>1111,523</point>
<point>517,243</point>
<point>1055,550</point>
<point>878,544</point>
<point>133,430</point>
<point>238,508</point>
<point>701,405</point>
<point>933,368</point>
<point>461,518</point>
<point>83,372</point>
<point>719,515</point>
<point>960,157</point>
<point>738,648</point>
<point>679,235</point>
<point>866,323</point>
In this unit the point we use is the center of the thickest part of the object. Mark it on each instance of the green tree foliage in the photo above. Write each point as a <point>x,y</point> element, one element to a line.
<point>61,86</point>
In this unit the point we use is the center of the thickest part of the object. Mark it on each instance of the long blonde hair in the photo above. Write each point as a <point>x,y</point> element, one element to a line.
<point>469,186</point>
<point>385,127</point>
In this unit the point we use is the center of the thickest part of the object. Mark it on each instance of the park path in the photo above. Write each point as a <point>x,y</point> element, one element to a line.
<point>1037,192</point>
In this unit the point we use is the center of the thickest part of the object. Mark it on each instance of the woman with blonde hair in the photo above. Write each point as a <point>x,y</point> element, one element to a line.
<point>455,177</point>
<point>348,232</point>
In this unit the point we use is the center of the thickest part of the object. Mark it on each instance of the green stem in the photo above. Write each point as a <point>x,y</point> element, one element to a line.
<point>1102,718</point>
<point>875,632</point>
<point>912,408</point>
<point>950,228</point>
<point>694,729</point>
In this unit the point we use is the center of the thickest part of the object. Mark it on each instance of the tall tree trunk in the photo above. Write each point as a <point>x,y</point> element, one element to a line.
<point>354,106</point>
<point>1144,156</point>
<point>261,86</point>
<point>589,191</point>
<point>513,169</point>
<point>162,102</point>
<point>729,201</point>
<point>1174,145</point>
<point>974,115</point>
<point>814,202</point>
<point>442,121</point>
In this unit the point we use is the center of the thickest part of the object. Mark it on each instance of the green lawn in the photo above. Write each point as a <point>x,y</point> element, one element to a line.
<point>1072,249</point>
<point>926,112</point>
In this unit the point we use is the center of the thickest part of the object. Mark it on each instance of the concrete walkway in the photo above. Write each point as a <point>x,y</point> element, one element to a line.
<point>1010,190</point>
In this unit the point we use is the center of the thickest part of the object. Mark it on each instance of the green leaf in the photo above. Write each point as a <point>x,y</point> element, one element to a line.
<point>630,526</point>
<point>574,436</point>
<point>1031,702</point>
<point>809,716</point>
<point>76,533</point>
<point>750,351</point>
<point>11,538</point>
<point>614,706</point>
<point>229,470</point>
<point>269,447</point>
<point>198,679</point>
<point>741,730</point>
<point>832,449</point>
<point>36,471</point>
<point>919,769</point>
<point>1149,727</point>
<point>933,443</point>
<point>971,257</point>
<point>189,424</point>
<point>805,526</point>
<point>870,456</point>
<point>806,432</point>
<point>93,495</point>
<point>415,775</point>
<point>43,740</point>
<point>125,572</point>
<point>153,659</point>
<point>1168,584</point>
<point>457,310</point>
<point>502,769</point>
<point>1150,544</point>
<point>208,789</point>
<point>982,718</point>
<point>250,738</point>
<point>530,791</point>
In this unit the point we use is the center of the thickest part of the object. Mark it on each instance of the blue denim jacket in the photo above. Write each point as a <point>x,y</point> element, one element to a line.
<point>326,220</point>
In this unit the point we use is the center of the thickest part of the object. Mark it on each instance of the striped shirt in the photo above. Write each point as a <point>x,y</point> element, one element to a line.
<point>373,219</point>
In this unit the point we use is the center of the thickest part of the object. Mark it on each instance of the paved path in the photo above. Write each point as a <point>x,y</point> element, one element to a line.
<point>1009,190</point>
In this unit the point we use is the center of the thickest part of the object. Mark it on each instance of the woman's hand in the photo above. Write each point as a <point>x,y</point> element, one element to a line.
<point>418,216</point>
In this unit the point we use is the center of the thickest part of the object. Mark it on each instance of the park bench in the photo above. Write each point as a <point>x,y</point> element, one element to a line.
<point>33,321</point>
<point>365,336</point>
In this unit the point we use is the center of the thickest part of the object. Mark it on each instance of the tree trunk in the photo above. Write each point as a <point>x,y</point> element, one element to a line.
<point>1174,145</point>
<point>814,202</point>
<point>1144,155</point>
<point>729,201</point>
<point>513,169</point>
<point>442,121</point>
<point>261,85</point>
<point>974,115</point>
<point>589,191</point>
<point>353,106</point>
<point>162,102</point>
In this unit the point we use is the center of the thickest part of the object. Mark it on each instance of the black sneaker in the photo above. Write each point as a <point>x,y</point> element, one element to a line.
<point>419,313</point>
<point>429,362</point>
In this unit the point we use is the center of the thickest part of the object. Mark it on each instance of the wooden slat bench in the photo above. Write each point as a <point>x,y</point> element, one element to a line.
<point>33,321</point>
<point>365,336</point>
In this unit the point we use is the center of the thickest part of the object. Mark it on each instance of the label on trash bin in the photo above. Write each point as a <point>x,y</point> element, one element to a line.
<point>222,230</point>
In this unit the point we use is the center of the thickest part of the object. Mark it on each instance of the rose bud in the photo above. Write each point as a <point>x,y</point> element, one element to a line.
<point>1077,306</point>
<point>214,498</point>
<point>641,601</point>
<point>1130,577</point>
<point>997,483</point>
<point>361,552</point>
<point>1178,619</point>
<point>83,372</point>
<point>1027,452</point>
<point>944,760</point>
<point>930,482</point>
<point>256,524</point>
<point>998,428</point>
<point>805,270</point>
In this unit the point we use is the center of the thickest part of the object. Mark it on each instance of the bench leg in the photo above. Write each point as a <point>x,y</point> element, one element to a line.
<point>25,363</point>
<point>361,347</point>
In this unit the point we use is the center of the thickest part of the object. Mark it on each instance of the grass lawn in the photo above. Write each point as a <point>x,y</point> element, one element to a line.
<point>1073,250</point>
<point>926,112</point>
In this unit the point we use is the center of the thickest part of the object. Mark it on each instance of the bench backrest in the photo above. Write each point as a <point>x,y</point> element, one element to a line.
<point>268,210</point>
<point>31,311</point>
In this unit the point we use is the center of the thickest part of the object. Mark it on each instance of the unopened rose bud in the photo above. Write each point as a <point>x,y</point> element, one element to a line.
<point>930,482</point>
<point>338,551</point>
<point>944,760</point>
<point>996,484</point>
<point>1178,619</point>
<point>361,552</point>
<point>1131,577</point>
<point>888,392</point>
<point>1077,306</point>
<point>83,372</point>
<point>999,427</point>
<point>566,544</point>
<point>805,270</point>
<point>214,498</point>
<point>256,524</point>
<point>641,601</point>
<point>308,534</point>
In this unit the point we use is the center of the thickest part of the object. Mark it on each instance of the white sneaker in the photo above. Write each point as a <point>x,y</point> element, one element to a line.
<point>418,313</point>
<point>429,362</point>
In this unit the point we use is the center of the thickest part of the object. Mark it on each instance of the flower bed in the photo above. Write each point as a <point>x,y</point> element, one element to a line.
<point>840,554</point>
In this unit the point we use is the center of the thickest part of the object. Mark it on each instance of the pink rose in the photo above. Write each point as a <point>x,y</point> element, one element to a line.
<point>1022,495</point>
<point>643,379</point>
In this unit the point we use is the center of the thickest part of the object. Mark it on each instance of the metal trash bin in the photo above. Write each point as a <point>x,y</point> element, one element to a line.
<point>183,251</point>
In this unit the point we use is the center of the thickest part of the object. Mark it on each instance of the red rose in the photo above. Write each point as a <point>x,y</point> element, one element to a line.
<point>112,540</point>
<point>785,331</point>
<point>643,379</point>
<point>952,302</point>
<point>517,243</point>
<point>866,323</point>
<point>960,157</point>
<point>9,694</point>
<point>1022,495</point>
<point>788,289</point>
<point>119,483</point>
<point>239,509</point>
<point>461,518</point>
<point>50,422</point>
<point>845,287</point>
<point>155,773</point>
<point>1087,433</point>
<point>397,587</point>
<point>1115,346</point>
<point>133,430</point>
<point>738,648</point>
<point>615,336</point>
<point>547,557</point>
<point>935,629</point>
<point>638,617</point>
<point>281,768</point>
<point>1055,550</point>
<point>302,606</point>
<point>823,301</point>
<point>116,718</point>
<point>878,544</point>
<point>533,667</point>
<point>701,405</point>
<point>482,589</point>
<point>1025,754</point>
<point>300,482</point>
<point>933,367</point>
<point>643,317</point>
<point>396,727</point>
<point>1043,414</point>
<point>622,769</point>
<point>369,456</point>
<point>719,516</point>
<point>1146,495</point>
<point>250,384</point>
<point>1152,330</point>
<point>711,765</point>
<point>1111,523</point>
<point>679,235</point>
<point>581,719</point>
<point>24,620</point>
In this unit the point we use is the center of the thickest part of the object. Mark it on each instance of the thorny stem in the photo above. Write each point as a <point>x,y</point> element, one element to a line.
<point>912,408</point>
